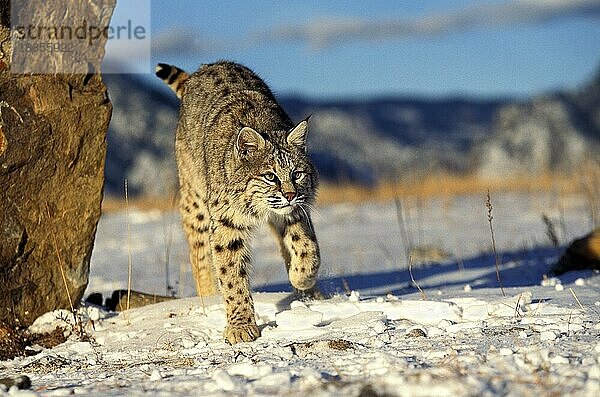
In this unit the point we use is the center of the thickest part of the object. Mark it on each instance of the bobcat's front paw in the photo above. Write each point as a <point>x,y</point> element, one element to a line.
<point>241,333</point>
<point>303,268</point>
<point>313,293</point>
<point>301,280</point>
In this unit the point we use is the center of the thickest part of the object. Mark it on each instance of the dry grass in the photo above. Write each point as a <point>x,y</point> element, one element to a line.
<point>433,186</point>
<point>430,186</point>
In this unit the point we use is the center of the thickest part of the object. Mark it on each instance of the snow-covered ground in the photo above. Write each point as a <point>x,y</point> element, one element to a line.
<point>458,337</point>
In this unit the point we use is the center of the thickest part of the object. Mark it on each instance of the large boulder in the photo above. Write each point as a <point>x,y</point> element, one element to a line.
<point>52,151</point>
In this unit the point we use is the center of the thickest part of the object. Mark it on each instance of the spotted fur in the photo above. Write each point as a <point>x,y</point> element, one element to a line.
<point>241,162</point>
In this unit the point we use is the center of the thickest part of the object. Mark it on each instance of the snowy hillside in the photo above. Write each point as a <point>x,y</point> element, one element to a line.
<point>140,139</point>
<point>552,132</point>
<point>376,336</point>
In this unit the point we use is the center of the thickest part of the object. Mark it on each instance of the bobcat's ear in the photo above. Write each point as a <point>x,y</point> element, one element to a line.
<point>297,136</point>
<point>248,141</point>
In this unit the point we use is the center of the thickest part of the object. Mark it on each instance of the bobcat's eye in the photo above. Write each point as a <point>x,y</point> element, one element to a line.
<point>297,176</point>
<point>269,177</point>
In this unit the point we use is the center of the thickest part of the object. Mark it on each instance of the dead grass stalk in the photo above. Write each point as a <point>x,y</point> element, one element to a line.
<point>401,219</point>
<point>412,278</point>
<point>129,262</point>
<point>576,299</point>
<point>488,204</point>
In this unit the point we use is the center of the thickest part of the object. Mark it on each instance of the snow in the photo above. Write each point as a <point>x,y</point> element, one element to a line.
<point>377,334</point>
<point>298,318</point>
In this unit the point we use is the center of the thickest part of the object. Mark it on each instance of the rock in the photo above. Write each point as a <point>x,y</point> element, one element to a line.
<point>583,253</point>
<point>20,382</point>
<point>11,342</point>
<point>51,171</point>
<point>118,301</point>
<point>15,341</point>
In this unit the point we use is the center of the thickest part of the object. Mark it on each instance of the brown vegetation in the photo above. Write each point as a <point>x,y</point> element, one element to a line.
<point>14,341</point>
<point>430,186</point>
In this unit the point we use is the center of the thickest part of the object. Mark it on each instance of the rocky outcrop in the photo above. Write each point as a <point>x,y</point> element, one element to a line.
<point>51,177</point>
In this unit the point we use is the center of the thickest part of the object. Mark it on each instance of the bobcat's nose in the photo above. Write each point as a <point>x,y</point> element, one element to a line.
<point>289,196</point>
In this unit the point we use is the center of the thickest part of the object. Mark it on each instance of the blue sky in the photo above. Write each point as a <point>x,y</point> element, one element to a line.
<point>369,48</point>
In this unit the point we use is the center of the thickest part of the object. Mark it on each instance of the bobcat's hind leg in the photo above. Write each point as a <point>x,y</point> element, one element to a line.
<point>231,260</point>
<point>196,224</point>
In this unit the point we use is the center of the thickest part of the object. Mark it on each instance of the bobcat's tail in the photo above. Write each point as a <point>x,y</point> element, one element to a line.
<point>174,77</point>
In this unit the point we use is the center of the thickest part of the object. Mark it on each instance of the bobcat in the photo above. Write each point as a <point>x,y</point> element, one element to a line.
<point>241,162</point>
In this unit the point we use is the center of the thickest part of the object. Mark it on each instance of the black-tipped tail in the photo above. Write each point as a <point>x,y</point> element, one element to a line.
<point>174,77</point>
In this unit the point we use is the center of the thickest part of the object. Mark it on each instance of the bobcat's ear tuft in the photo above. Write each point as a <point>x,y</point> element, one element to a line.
<point>297,136</point>
<point>248,142</point>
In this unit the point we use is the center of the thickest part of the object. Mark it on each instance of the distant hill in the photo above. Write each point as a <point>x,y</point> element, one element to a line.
<point>141,137</point>
<point>373,140</point>
<point>554,132</point>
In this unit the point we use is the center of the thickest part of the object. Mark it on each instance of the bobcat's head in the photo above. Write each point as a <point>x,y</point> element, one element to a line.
<point>280,176</point>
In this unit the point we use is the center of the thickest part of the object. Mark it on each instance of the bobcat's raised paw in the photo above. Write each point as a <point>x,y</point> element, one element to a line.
<point>241,333</point>
<point>302,281</point>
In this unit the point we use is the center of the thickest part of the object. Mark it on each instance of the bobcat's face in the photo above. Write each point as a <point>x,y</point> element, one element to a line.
<point>282,183</point>
<point>286,186</point>
<point>282,179</point>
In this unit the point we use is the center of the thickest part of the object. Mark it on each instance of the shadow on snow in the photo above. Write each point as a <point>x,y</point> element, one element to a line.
<point>517,269</point>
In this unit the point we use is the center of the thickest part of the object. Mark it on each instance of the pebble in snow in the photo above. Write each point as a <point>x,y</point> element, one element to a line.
<point>296,304</point>
<point>249,370</point>
<point>415,331</point>
<point>155,375</point>
<point>354,296</point>
<point>547,335</point>
<point>522,334</point>
<point>580,282</point>
<point>223,380</point>
<point>505,351</point>
<point>379,327</point>
<point>559,287</point>
<point>550,282</point>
